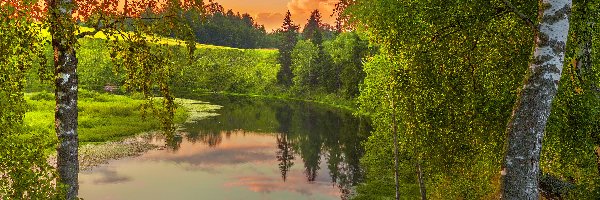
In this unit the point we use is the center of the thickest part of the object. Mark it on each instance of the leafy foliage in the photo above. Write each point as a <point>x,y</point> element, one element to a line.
<point>453,70</point>
<point>213,69</point>
<point>334,67</point>
<point>304,65</point>
<point>229,70</point>
<point>347,52</point>
<point>24,173</point>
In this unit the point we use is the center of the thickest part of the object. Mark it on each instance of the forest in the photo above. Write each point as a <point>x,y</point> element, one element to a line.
<point>393,100</point>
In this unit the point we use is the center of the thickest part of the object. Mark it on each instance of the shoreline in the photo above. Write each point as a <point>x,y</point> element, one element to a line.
<point>93,155</point>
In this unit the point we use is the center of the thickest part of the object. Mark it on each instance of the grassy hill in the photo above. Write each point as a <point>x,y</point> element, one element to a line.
<point>214,68</point>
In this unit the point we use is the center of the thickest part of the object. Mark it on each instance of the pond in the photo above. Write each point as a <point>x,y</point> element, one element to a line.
<point>254,149</point>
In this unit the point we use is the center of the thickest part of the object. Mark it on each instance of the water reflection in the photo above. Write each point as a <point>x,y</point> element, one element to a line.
<point>285,154</point>
<point>110,176</point>
<point>255,149</point>
<point>311,132</point>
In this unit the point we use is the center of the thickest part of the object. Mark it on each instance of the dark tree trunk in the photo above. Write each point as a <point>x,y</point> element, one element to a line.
<point>583,57</point>
<point>598,158</point>
<point>552,187</point>
<point>66,122</point>
<point>66,81</point>
<point>528,121</point>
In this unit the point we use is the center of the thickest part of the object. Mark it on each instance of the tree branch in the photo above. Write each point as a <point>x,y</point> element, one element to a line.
<point>552,187</point>
<point>150,18</point>
<point>96,28</point>
<point>524,17</point>
<point>458,26</point>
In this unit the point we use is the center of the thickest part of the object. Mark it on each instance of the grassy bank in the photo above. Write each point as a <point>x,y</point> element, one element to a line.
<point>110,126</point>
<point>249,72</point>
<point>331,100</point>
<point>102,117</point>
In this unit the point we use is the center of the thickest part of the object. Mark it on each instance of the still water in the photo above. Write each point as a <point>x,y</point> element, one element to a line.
<point>254,149</point>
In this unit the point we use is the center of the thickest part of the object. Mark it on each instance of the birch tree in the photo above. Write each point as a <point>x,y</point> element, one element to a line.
<point>528,121</point>
<point>146,68</point>
<point>62,29</point>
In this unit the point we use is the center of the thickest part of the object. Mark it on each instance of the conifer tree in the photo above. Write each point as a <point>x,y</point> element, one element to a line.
<point>289,30</point>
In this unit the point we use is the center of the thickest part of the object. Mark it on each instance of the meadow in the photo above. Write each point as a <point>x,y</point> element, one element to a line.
<point>103,117</point>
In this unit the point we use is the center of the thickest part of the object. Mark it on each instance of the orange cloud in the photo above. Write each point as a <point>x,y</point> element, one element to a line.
<point>301,10</point>
<point>270,13</point>
<point>270,20</point>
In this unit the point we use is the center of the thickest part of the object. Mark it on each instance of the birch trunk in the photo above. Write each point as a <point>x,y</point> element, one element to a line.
<point>65,62</point>
<point>528,121</point>
<point>421,182</point>
<point>395,132</point>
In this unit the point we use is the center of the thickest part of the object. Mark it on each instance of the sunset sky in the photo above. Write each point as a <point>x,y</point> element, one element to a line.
<point>271,12</point>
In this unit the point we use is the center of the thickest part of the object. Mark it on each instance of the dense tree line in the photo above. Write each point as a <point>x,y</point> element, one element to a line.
<point>214,25</point>
<point>226,28</point>
<point>319,60</point>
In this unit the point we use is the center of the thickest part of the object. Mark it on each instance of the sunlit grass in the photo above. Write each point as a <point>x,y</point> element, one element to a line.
<point>168,41</point>
<point>102,117</point>
<point>161,40</point>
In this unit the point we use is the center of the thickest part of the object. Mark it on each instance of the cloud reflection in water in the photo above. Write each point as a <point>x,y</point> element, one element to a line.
<point>110,176</point>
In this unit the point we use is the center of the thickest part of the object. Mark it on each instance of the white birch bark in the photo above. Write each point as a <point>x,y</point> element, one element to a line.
<point>66,82</point>
<point>528,121</point>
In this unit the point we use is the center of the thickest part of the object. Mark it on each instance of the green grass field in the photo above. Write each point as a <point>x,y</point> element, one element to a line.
<point>214,69</point>
<point>102,117</point>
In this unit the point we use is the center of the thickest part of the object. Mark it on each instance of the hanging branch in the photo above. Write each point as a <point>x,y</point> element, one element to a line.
<point>524,17</point>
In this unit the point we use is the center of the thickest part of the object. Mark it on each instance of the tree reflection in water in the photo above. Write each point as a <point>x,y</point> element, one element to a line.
<point>301,130</point>
<point>285,155</point>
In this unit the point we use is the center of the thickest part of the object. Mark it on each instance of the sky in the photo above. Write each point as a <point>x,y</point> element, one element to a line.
<point>271,12</point>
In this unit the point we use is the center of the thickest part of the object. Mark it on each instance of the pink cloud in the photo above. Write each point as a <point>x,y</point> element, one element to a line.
<point>295,184</point>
